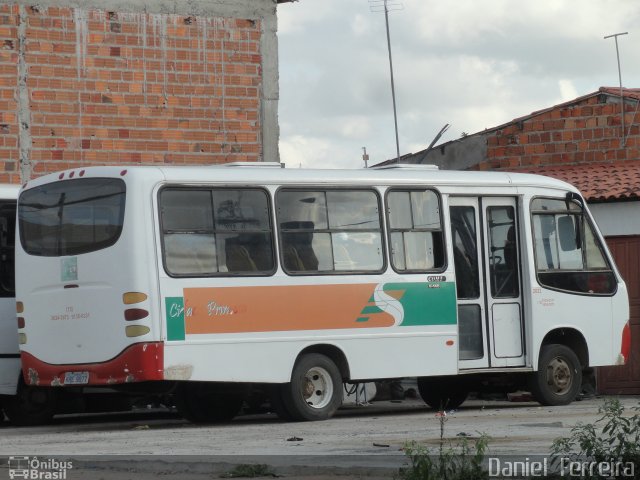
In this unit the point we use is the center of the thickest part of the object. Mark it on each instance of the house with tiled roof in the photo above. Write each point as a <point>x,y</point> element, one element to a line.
<point>589,143</point>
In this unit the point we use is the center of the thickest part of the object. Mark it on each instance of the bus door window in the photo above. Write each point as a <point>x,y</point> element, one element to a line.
<point>465,257</point>
<point>465,251</point>
<point>503,252</point>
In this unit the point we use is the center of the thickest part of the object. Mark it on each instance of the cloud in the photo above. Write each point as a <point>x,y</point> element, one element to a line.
<point>567,90</point>
<point>468,63</point>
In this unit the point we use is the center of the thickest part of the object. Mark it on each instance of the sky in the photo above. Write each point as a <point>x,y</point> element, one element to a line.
<point>473,64</point>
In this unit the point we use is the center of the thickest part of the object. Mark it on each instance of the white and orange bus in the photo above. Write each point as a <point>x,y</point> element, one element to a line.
<point>206,280</point>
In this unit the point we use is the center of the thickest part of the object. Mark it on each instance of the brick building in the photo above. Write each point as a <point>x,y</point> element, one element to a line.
<point>581,142</point>
<point>153,82</point>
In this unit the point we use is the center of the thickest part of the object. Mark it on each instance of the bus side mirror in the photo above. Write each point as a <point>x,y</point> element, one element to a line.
<point>569,236</point>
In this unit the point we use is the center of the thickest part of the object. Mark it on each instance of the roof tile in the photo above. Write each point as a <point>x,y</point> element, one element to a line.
<point>598,182</point>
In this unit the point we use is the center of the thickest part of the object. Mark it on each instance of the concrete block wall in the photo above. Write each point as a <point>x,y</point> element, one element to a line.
<point>100,83</point>
<point>568,135</point>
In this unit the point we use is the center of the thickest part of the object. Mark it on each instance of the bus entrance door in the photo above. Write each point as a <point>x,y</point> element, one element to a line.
<point>484,233</point>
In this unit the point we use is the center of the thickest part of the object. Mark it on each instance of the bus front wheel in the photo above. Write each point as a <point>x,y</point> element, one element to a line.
<point>315,390</point>
<point>442,393</point>
<point>559,376</point>
<point>204,402</point>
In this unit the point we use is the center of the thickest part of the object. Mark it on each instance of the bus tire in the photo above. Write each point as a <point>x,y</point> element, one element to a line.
<point>315,390</point>
<point>205,402</point>
<point>30,405</point>
<point>559,376</point>
<point>442,393</point>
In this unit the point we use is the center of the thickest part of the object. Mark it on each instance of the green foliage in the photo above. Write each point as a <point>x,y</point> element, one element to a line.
<point>249,471</point>
<point>460,461</point>
<point>454,462</point>
<point>614,437</point>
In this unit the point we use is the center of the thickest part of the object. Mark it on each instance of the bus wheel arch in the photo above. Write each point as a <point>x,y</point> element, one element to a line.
<point>570,338</point>
<point>334,353</point>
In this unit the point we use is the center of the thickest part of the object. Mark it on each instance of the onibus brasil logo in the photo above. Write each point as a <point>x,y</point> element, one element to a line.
<point>35,468</point>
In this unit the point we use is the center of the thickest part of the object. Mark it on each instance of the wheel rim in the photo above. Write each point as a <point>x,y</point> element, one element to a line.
<point>317,388</point>
<point>559,376</point>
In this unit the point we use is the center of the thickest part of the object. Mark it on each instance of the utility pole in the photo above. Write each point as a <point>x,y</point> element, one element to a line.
<point>383,5</point>
<point>365,157</point>
<point>615,37</point>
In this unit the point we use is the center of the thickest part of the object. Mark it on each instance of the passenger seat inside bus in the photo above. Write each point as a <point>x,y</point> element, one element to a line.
<point>239,259</point>
<point>297,249</point>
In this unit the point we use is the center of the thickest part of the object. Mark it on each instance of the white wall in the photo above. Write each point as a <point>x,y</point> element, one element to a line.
<point>617,218</point>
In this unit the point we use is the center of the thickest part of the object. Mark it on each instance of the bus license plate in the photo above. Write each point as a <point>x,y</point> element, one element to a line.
<point>76,378</point>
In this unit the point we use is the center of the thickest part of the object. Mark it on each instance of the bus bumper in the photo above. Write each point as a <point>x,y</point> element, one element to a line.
<point>140,362</point>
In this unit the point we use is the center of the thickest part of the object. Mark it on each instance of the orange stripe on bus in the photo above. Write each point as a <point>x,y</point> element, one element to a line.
<point>279,308</point>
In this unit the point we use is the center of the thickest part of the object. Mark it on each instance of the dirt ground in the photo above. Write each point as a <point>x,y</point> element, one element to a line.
<point>360,442</point>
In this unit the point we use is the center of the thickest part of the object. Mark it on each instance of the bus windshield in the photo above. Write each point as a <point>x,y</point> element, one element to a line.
<point>72,217</point>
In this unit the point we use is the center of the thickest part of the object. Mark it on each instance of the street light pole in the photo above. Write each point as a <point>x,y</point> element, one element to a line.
<point>615,37</point>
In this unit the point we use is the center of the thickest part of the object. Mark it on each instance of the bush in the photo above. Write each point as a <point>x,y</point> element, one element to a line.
<point>460,461</point>
<point>618,442</point>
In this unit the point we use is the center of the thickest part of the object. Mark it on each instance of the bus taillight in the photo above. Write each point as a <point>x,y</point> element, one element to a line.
<point>625,349</point>
<point>19,307</point>
<point>131,314</point>
<point>130,298</point>
<point>136,330</point>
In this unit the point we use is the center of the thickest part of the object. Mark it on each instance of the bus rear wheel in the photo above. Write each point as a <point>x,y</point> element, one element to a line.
<point>204,402</point>
<point>315,390</point>
<point>441,393</point>
<point>30,405</point>
<point>559,376</point>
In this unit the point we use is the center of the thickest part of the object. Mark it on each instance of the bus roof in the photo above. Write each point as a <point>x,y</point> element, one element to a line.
<point>9,191</point>
<point>264,175</point>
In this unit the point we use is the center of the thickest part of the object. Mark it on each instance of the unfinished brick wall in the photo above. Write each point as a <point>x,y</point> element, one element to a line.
<point>589,131</point>
<point>90,87</point>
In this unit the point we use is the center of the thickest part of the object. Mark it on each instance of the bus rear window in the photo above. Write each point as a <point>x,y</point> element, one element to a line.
<point>71,217</point>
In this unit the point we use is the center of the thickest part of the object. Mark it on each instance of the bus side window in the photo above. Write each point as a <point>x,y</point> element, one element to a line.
<point>216,231</point>
<point>415,230</point>
<point>569,256</point>
<point>330,231</point>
